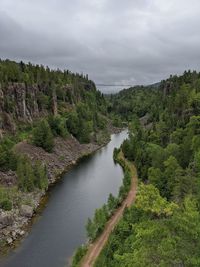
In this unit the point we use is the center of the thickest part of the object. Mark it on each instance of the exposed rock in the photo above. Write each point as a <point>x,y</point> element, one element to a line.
<point>5,219</point>
<point>65,153</point>
<point>8,122</point>
<point>149,126</point>
<point>144,119</point>
<point>8,178</point>
<point>9,240</point>
<point>20,102</point>
<point>26,211</point>
<point>21,233</point>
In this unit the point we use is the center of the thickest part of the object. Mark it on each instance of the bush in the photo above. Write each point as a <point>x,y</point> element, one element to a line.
<point>79,254</point>
<point>42,136</point>
<point>31,176</point>
<point>58,126</point>
<point>7,156</point>
<point>6,204</point>
<point>41,179</point>
<point>115,153</point>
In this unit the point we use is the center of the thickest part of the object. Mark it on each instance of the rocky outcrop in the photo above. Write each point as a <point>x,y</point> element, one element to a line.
<point>12,223</point>
<point>8,178</point>
<point>26,211</point>
<point>145,121</point>
<point>66,153</point>
<point>20,102</point>
<point>5,219</point>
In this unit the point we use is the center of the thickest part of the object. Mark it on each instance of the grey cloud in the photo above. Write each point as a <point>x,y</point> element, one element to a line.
<point>114,41</point>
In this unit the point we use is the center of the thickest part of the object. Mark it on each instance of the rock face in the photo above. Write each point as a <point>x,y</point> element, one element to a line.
<point>26,211</point>
<point>5,219</point>
<point>65,153</point>
<point>25,103</point>
<point>18,102</point>
<point>8,178</point>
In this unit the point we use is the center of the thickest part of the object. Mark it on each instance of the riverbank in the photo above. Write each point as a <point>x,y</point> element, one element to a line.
<point>95,248</point>
<point>16,223</point>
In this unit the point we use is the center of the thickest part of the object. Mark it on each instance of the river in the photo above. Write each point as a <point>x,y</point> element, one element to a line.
<point>60,229</point>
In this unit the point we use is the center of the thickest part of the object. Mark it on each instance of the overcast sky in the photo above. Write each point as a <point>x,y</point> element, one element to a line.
<point>114,41</point>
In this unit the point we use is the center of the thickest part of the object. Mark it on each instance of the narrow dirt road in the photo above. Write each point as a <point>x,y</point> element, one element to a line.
<point>96,247</point>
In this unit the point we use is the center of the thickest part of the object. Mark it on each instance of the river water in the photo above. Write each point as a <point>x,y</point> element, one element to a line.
<point>61,227</point>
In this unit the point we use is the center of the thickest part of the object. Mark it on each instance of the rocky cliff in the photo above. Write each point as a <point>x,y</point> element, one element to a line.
<point>21,103</point>
<point>71,109</point>
<point>65,154</point>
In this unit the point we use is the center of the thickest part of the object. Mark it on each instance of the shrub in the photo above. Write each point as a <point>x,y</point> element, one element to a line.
<point>31,176</point>
<point>6,204</point>
<point>58,126</point>
<point>79,254</point>
<point>42,136</point>
<point>7,156</point>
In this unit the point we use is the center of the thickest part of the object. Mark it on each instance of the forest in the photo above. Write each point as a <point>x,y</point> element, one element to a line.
<point>37,105</point>
<point>162,228</point>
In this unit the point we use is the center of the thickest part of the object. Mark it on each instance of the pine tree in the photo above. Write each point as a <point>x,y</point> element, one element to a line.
<point>42,136</point>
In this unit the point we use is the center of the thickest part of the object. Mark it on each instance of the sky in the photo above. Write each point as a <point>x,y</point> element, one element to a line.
<point>116,42</point>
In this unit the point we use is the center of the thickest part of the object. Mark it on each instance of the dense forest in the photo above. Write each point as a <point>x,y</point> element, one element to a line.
<point>37,105</point>
<point>29,92</point>
<point>162,228</point>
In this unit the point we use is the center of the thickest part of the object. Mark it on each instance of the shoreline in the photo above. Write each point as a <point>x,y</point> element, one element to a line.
<point>41,198</point>
<point>95,247</point>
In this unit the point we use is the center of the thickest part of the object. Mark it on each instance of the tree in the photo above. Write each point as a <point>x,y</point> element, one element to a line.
<point>41,179</point>
<point>73,123</point>
<point>42,136</point>
<point>25,175</point>
<point>58,126</point>
<point>8,159</point>
<point>149,200</point>
<point>90,227</point>
<point>112,203</point>
<point>156,177</point>
<point>171,169</point>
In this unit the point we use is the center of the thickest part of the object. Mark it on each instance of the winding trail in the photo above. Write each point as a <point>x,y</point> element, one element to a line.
<point>96,247</point>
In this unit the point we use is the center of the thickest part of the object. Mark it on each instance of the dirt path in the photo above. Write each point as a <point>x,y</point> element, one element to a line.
<point>96,247</point>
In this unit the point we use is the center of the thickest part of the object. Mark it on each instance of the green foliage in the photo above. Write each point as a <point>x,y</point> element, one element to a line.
<point>163,227</point>
<point>71,101</point>
<point>112,204</point>
<point>149,200</point>
<point>96,225</point>
<point>116,153</point>
<point>42,136</point>
<point>25,175</point>
<point>8,197</point>
<point>117,122</point>
<point>8,159</point>
<point>73,123</point>
<point>6,204</point>
<point>31,176</point>
<point>58,126</point>
<point>40,173</point>
<point>79,254</point>
<point>171,238</point>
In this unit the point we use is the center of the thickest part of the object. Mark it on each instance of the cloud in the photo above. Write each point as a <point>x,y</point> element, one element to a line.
<point>115,42</point>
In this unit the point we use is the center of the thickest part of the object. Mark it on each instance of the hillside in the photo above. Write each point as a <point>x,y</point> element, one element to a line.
<point>162,228</point>
<point>48,120</point>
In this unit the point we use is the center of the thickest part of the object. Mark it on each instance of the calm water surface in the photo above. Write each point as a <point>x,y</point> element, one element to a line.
<point>61,227</point>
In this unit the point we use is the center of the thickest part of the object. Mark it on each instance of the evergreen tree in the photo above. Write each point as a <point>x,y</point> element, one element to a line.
<point>42,136</point>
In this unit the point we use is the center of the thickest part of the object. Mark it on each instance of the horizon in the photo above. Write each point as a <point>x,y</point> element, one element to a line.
<point>137,42</point>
